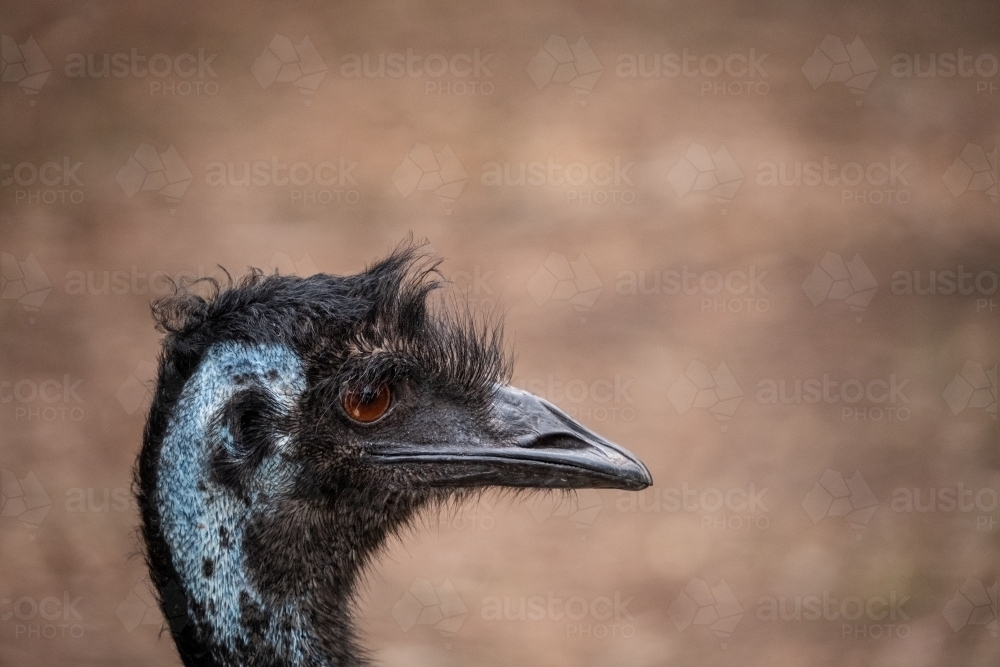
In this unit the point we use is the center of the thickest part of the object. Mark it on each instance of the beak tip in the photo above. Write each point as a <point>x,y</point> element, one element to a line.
<point>642,478</point>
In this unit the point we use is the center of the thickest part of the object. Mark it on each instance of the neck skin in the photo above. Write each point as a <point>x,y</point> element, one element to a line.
<point>267,578</point>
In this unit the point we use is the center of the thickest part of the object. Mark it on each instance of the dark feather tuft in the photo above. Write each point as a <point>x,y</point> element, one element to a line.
<point>356,330</point>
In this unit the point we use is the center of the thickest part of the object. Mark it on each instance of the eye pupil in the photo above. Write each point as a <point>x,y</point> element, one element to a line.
<point>368,404</point>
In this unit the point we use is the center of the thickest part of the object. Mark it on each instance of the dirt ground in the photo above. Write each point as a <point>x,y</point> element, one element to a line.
<point>755,243</point>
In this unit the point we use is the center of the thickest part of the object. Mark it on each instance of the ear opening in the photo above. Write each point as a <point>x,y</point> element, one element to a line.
<point>247,432</point>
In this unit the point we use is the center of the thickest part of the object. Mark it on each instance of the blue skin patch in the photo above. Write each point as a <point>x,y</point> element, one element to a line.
<point>192,517</point>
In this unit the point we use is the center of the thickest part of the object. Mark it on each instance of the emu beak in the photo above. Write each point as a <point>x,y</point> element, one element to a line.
<point>530,443</point>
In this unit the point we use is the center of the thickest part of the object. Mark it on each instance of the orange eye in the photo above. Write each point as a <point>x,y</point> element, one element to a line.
<point>368,405</point>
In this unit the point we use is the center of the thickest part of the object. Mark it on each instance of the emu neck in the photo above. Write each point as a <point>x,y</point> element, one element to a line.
<point>246,562</point>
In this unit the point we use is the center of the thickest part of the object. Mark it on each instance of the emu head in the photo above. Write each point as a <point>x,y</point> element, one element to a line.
<point>298,422</point>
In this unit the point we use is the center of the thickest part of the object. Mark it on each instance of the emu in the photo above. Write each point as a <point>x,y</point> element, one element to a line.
<point>298,423</point>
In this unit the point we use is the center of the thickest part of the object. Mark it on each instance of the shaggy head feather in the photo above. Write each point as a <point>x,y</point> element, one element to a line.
<point>262,501</point>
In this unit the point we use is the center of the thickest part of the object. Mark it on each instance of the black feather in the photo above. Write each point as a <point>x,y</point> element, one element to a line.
<point>348,331</point>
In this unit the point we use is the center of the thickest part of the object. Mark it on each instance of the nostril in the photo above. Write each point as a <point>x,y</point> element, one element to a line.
<point>564,441</point>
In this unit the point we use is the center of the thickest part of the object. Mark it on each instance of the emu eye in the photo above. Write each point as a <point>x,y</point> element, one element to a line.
<point>367,405</point>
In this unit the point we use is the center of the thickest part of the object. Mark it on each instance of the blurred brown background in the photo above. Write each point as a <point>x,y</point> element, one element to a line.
<point>666,278</point>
